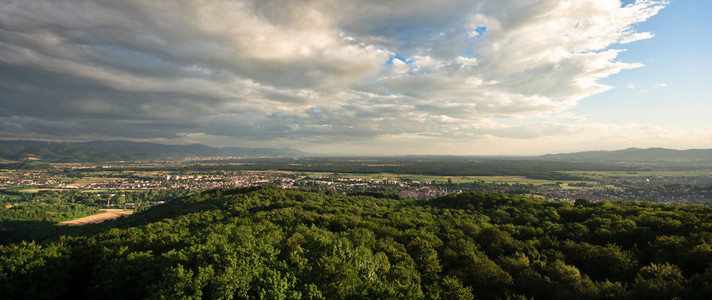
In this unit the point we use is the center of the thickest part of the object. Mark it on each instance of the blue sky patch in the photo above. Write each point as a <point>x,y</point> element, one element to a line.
<point>480,30</point>
<point>399,57</point>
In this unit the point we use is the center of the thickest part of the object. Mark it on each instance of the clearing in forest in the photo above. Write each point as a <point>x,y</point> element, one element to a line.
<point>109,214</point>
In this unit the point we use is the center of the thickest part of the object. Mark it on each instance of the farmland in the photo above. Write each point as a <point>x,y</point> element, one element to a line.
<point>420,177</point>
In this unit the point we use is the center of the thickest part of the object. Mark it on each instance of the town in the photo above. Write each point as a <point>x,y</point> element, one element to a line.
<point>106,181</point>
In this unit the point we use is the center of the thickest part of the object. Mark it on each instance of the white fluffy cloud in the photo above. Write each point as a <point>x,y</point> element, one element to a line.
<point>314,71</point>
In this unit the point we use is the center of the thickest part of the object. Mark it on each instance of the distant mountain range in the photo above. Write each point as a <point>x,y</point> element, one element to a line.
<point>98,151</point>
<point>636,155</point>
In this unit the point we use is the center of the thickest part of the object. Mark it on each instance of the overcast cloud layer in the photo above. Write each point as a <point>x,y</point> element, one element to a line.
<point>305,72</point>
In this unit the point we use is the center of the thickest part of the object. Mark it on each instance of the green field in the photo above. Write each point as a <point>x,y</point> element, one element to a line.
<point>88,180</point>
<point>633,174</point>
<point>456,179</point>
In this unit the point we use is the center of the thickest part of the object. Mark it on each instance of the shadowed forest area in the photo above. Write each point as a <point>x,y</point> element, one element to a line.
<point>285,244</point>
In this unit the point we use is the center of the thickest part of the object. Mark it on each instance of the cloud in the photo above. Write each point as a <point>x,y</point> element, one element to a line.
<point>313,71</point>
<point>657,85</point>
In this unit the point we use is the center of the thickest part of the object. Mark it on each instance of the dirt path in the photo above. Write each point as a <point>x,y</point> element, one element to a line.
<point>109,214</point>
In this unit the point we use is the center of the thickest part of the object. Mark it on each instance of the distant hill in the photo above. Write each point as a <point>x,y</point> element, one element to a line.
<point>633,155</point>
<point>97,151</point>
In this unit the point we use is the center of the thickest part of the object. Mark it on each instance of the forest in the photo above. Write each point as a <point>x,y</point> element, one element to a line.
<point>272,243</point>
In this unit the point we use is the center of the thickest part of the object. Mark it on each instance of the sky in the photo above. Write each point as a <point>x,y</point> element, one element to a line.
<point>372,77</point>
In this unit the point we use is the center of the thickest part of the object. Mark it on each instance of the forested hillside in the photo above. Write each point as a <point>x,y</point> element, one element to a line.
<point>282,244</point>
<point>637,155</point>
<point>102,151</point>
